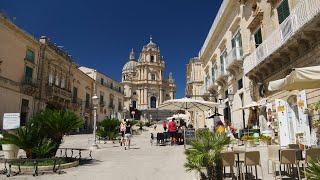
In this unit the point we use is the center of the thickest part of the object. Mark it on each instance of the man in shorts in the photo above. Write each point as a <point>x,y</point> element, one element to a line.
<point>172,131</point>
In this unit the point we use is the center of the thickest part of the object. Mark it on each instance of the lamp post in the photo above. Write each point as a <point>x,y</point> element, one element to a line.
<point>230,100</point>
<point>95,100</point>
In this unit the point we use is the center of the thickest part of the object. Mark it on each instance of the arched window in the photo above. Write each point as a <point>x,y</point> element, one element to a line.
<point>151,58</point>
<point>153,102</point>
<point>124,77</point>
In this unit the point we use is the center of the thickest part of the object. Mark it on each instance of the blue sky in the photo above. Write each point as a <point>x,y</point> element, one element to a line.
<point>101,33</point>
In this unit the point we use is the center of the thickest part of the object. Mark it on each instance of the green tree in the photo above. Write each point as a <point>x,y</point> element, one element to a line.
<point>204,154</point>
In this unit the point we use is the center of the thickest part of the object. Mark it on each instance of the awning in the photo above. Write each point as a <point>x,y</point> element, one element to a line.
<point>299,78</point>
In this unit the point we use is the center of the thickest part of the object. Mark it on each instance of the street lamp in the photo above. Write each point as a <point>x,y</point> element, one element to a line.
<point>95,102</point>
<point>230,100</point>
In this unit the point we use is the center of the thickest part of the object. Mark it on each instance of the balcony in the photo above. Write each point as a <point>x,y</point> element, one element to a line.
<point>76,103</point>
<point>301,16</point>
<point>56,91</point>
<point>29,86</point>
<point>234,59</point>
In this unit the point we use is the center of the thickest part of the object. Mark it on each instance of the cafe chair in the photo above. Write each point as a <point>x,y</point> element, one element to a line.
<point>312,154</point>
<point>273,157</point>
<point>288,157</point>
<point>252,159</point>
<point>228,160</point>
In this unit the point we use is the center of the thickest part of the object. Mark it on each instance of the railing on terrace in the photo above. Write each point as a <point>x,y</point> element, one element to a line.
<point>235,54</point>
<point>304,11</point>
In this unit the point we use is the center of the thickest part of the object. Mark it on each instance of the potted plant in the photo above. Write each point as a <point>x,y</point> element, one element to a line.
<point>265,140</point>
<point>249,140</point>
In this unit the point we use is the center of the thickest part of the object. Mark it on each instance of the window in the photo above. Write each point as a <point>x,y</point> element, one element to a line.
<point>222,62</point>
<point>74,95</point>
<point>258,37</point>
<point>101,99</point>
<point>213,73</point>
<point>240,84</point>
<point>236,42</point>
<point>119,89</point>
<point>283,11</point>
<point>28,74</point>
<point>87,100</point>
<point>63,82</point>
<point>134,93</point>
<point>124,77</point>
<point>151,58</point>
<point>30,55</point>
<point>50,79</point>
<point>57,80</point>
<point>111,85</point>
<point>153,77</point>
<point>102,81</point>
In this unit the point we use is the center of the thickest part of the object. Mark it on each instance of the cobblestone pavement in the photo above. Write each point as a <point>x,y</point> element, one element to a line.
<point>142,162</point>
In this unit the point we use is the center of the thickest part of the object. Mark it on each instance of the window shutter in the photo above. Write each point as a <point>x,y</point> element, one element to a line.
<point>283,11</point>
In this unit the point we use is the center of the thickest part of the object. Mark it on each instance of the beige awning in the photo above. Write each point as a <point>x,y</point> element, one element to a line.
<point>250,105</point>
<point>299,78</point>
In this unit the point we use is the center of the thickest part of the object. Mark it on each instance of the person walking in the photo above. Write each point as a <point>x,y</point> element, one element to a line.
<point>173,131</point>
<point>164,125</point>
<point>122,131</point>
<point>127,136</point>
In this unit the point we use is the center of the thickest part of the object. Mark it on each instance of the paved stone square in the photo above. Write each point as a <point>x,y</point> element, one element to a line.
<point>142,162</point>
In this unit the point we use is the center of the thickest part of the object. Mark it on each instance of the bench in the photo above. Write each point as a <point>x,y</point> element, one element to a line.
<point>72,150</point>
<point>35,172</point>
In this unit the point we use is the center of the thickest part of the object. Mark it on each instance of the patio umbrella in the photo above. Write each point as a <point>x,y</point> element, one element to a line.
<point>250,105</point>
<point>299,78</point>
<point>187,104</point>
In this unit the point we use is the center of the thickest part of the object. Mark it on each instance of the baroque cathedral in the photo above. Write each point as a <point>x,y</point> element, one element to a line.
<point>145,85</point>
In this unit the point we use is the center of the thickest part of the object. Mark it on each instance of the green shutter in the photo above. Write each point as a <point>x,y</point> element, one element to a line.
<point>30,55</point>
<point>283,11</point>
<point>258,37</point>
<point>28,74</point>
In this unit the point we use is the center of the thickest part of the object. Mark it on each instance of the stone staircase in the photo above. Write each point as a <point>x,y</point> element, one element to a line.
<point>157,115</point>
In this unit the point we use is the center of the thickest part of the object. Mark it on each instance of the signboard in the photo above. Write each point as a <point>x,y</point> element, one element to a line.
<point>303,126</point>
<point>11,121</point>
<point>283,125</point>
<point>190,134</point>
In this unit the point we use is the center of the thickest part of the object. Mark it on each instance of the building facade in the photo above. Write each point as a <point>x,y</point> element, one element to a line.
<point>19,71</point>
<point>110,94</point>
<point>254,42</point>
<point>145,86</point>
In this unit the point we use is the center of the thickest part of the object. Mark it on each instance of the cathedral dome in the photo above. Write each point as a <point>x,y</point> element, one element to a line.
<point>130,66</point>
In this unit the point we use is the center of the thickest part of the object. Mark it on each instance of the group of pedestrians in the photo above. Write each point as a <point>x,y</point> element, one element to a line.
<point>175,132</point>
<point>126,134</point>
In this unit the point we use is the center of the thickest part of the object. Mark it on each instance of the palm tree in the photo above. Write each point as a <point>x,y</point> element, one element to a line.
<point>54,124</point>
<point>204,154</point>
<point>313,171</point>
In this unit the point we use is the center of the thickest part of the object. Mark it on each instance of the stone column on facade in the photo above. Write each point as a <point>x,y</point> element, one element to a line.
<point>146,98</point>
<point>161,96</point>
